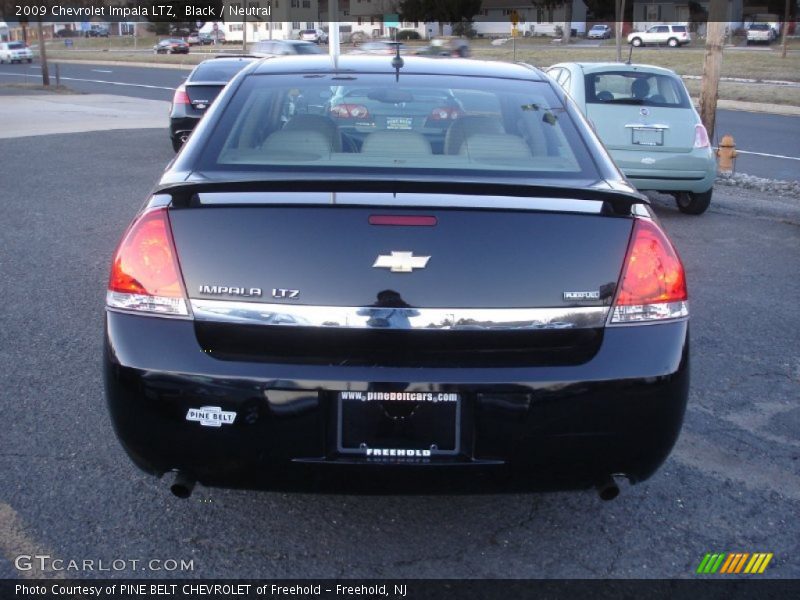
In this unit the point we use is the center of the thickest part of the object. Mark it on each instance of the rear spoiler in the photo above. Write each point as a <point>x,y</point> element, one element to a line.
<point>185,194</point>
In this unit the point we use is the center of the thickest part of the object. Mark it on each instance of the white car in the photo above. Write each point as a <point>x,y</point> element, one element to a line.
<point>760,32</point>
<point>314,35</point>
<point>15,52</point>
<point>599,32</point>
<point>671,35</point>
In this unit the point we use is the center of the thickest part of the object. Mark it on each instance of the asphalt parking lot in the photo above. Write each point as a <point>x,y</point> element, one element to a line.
<point>68,490</point>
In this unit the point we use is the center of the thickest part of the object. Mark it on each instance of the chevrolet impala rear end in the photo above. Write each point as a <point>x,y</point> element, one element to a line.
<point>318,295</point>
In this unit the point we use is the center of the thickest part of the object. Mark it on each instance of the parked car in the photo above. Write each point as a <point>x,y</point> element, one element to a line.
<point>284,48</point>
<point>671,35</point>
<point>171,46</point>
<point>217,36</point>
<point>646,119</point>
<point>379,47</point>
<point>300,303</point>
<point>455,47</point>
<point>599,32</point>
<point>314,35</point>
<point>12,52</point>
<point>760,33</point>
<point>67,33</point>
<point>193,98</point>
<point>194,39</point>
<point>96,31</point>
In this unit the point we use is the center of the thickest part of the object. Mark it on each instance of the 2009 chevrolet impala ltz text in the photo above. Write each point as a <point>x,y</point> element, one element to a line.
<point>364,267</point>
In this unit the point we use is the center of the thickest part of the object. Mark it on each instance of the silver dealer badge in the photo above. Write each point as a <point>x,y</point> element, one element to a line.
<point>211,416</point>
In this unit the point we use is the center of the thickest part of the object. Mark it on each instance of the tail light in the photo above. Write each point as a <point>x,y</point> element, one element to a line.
<point>701,137</point>
<point>653,285</point>
<point>180,97</point>
<point>349,111</point>
<point>443,113</point>
<point>145,275</point>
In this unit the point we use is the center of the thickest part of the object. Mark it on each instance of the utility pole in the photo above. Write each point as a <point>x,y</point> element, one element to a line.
<point>712,64</point>
<point>42,53</point>
<point>244,34</point>
<point>620,9</point>
<point>785,29</point>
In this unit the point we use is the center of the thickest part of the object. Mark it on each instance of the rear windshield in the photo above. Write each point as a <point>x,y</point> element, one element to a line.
<point>760,27</point>
<point>15,46</point>
<point>217,71</point>
<point>679,28</point>
<point>636,87</point>
<point>420,123</point>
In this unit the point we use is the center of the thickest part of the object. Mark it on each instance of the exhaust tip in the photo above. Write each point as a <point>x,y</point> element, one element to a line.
<point>182,485</point>
<point>608,489</point>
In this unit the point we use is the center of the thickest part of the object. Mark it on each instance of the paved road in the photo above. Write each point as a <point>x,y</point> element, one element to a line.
<point>68,490</point>
<point>140,82</point>
<point>753,132</point>
<point>766,134</point>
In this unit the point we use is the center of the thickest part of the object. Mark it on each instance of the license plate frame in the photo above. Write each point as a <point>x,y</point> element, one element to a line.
<point>401,123</point>
<point>365,428</point>
<point>647,136</point>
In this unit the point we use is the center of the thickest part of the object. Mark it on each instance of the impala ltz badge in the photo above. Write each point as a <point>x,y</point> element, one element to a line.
<point>401,262</point>
<point>211,416</point>
<point>227,290</point>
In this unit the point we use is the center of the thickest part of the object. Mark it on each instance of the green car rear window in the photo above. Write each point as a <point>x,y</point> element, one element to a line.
<point>636,87</point>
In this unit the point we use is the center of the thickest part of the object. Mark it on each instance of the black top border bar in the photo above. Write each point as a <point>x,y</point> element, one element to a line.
<point>317,11</point>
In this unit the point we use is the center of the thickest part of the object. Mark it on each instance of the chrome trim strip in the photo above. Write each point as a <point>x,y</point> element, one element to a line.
<point>403,201</point>
<point>371,317</point>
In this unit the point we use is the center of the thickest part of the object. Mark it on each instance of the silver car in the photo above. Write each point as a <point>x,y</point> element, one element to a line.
<point>645,118</point>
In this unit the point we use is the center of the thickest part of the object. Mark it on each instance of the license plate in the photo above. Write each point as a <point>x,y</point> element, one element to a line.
<point>399,426</point>
<point>399,122</point>
<point>645,136</point>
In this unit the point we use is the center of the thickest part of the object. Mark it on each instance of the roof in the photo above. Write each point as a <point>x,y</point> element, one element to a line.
<point>595,67</point>
<point>417,65</point>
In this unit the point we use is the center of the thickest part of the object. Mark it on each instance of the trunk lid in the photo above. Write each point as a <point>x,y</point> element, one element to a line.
<point>201,95</point>
<point>477,258</point>
<point>661,129</point>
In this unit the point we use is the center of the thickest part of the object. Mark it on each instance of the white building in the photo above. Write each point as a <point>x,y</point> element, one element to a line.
<point>286,19</point>
<point>495,18</point>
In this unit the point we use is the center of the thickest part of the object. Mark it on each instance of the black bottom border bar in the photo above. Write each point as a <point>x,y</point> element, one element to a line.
<point>399,589</point>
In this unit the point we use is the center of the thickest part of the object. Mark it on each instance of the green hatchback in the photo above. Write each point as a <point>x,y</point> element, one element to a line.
<point>645,118</point>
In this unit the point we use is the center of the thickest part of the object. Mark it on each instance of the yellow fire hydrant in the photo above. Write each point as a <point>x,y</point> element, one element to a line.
<point>726,155</point>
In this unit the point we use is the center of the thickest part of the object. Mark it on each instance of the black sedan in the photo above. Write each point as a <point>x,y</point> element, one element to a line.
<point>171,46</point>
<point>192,99</point>
<point>302,303</point>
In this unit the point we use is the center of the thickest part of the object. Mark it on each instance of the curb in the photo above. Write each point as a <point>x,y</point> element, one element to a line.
<point>122,63</point>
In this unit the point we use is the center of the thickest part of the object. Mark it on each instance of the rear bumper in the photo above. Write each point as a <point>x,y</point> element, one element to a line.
<point>526,428</point>
<point>181,124</point>
<point>693,171</point>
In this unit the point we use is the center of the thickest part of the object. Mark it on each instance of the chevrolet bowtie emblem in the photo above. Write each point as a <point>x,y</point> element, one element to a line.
<point>401,262</point>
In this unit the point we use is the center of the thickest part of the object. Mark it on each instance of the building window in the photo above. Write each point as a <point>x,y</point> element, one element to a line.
<point>306,3</point>
<point>295,3</point>
<point>295,24</point>
<point>235,27</point>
